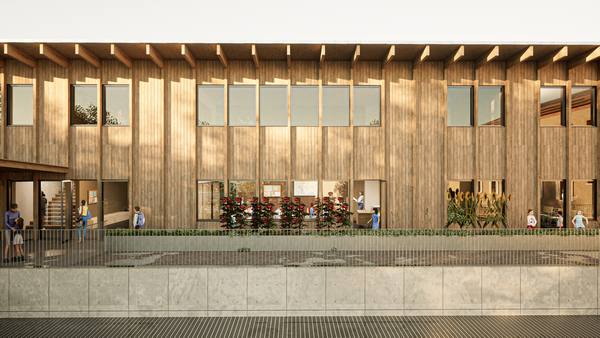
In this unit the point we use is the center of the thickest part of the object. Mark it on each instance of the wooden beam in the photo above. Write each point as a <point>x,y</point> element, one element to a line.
<point>120,55</point>
<point>19,55</point>
<point>54,55</point>
<point>322,57</point>
<point>520,57</point>
<point>454,57</point>
<point>28,166</point>
<point>389,56</point>
<point>487,57</point>
<point>87,56</point>
<point>422,57</point>
<point>553,57</point>
<point>255,56</point>
<point>585,57</point>
<point>222,57</point>
<point>356,56</point>
<point>153,54</point>
<point>189,57</point>
<point>2,62</point>
<point>289,57</point>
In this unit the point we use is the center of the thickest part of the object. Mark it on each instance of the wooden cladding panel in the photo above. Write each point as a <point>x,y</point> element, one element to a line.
<point>399,100</point>
<point>336,73</point>
<point>367,155</point>
<point>242,73</point>
<point>273,73</point>
<point>242,153</point>
<point>305,73</point>
<point>116,142</point>
<point>555,74</point>
<point>430,129</point>
<point>180,155</point>
<point>210,73</point>
<point>583,153</point>
<point>2,113</point>
<point>83,161</point>
<point>584,75</point>
<point>492,153</point>
<point>521,135</point>
<point>553,153</point>
<point>304,153</point>
<point>53,113</point>
<point>83,73</point>
<point>336,153</point>
<point>16,72</point>
<point>460,153</point>
<point>274,149</point>
<point>210,152</point>
<point>460,74</point>
<point>20,140</point>
<point>148,140</point>
<point>492,74</point>
<point>115,73</point>
<point>367,73</point>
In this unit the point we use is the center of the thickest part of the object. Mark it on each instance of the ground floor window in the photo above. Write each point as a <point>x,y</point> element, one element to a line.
<point>274,191</point>
<point>457,187</point>
<point>368,198</point>
<point>87,191</point>
<point>335,189</point>
<point>307,192</point>
<point>115,205</point>
<point>244,189</point>
<point>552,203</point>
<point>490,189</point>
<point>583,198</point>
<point>209,195</point>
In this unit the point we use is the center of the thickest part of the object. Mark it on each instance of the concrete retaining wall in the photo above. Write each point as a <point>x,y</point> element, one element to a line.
<point>352,291</point>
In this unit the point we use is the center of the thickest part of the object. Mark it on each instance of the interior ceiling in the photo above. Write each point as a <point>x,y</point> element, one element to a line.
<point>301,52</point>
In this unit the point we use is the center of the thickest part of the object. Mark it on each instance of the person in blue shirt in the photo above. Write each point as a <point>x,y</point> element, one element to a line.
<point>10,228</point>
<point>375,219</point>
<point>578,221</point>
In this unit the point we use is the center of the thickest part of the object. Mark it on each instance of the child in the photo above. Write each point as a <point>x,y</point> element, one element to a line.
<point>531,222</point>
<point>578,221</point>
<point>559,220</point>
<point>375,219</point>
<point>312,211</point>
<point>18,241</point>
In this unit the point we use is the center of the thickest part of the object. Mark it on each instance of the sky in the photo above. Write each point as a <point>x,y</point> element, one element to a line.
<point>319,21</point>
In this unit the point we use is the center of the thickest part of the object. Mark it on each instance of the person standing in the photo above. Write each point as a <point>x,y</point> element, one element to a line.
<point>559,220</point>
<point>43,206</point>
<point>375,219</point>
<point>578,221</point>
<point>360,200</point>
<point>84,213</point>
<point>139,220</point>
<point>531,221</point>
<point>18,240</point>
<point>10,227</point>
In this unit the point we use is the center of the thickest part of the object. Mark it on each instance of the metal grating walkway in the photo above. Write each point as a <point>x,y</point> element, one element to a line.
<point>309,327</point>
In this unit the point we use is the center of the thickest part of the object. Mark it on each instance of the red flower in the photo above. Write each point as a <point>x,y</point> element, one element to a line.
<point>243,207</point>
<point>264,219</point>
<point>326,199</point>
<point>339,219</point>
<point>339,199</point>
<point>295,219</point>
<point>264,200</point>
<point>301,207</point>
<point>330,206</point>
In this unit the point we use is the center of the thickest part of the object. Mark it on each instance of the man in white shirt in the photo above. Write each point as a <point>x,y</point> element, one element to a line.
<point>360,200</point>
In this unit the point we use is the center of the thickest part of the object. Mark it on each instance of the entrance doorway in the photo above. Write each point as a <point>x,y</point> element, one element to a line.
<point>374,198</point>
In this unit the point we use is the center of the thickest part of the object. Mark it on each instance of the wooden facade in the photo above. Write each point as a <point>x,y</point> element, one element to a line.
<point>162,153</point>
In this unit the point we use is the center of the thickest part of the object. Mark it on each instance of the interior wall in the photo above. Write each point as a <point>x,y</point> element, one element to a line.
<point>115,194</point>
<point>82,189</point>
<point>22,194</point>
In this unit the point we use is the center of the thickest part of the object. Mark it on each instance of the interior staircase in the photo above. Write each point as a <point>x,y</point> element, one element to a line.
<point>54,207</point>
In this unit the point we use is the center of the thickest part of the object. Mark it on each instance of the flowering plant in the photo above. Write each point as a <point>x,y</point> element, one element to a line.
<point>333,213</point>
<point>262,213</point>
<point>233,213</point>
<point>293,212</point>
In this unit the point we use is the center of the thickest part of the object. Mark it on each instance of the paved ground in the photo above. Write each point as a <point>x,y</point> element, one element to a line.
<point>301,327</point>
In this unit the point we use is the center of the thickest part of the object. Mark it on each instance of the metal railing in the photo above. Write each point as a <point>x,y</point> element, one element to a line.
<point>147,248</point>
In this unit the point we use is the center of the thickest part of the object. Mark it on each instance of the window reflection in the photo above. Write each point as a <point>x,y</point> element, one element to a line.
<point>457,187</point>
<point>583,197</point>
<point>306,192</point>
<point>209,195</point>
<point>273,106</point>
<point>243,189</point>
<point>552,202</point>
<point>116,105</point>
<point>552,106</point>
<point>211,105</point>
<point>490,188</point>
<point>242,106</point>
<point>304,106</point>
<point>274,191</point>
<point>335,189</point>
<point>84,108</point>
<point>460,106</point>
<point>115,205</point>
<point>336,106</point>
<point>20,103</point>
<point>491,106</point>
<point>583,106</point>
<point>367,106</point>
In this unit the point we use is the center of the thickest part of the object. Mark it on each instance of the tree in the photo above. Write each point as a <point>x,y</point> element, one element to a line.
<point>89,115</point>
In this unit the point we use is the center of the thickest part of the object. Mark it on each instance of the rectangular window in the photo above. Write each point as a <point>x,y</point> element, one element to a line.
<point>583,106</point>
<point>460,106</point>
<point>335,189</point>
<point>116,105</point>
<point>306,192</point>
<point>243,189</point>
<point>84,104</point>
<point>242,106</point>
<point>209,196</point>
<point>273,106</point>
<point>20,105</point>
<point>457,187</point>
<point>491,106</point>
<point>336,106</point>
<point>274,191</point>
<point>583,198</point>
<point>304,106</point>
<point>552,106</point>
<point>552,201</point>
<point>367,106</point>
<point>490,188</point>
<point>115,204</point>
<point>211,105</point>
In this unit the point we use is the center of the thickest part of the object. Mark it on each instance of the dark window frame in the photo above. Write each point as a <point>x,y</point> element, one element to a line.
<point>471,103</point>
<point>9,105</point>
<point>354,102</point>
<point>198,219</point>
<point>502,107</point>
<point>287,98</point>
<point>104,106</point>
<point>563,119</point>
<point>72,105</point>
<point>225,100</point>
<point>593,106</point>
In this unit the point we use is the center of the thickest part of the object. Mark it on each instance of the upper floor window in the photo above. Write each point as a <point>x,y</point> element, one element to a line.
<point>583,106</point>
<point>211,105</point>
<point>367,106</point>
<point>460,106</point>
<point>336,106</point>
<point>273,106</point>
<point>304,106</point>
<point>242,106</point>
<point>20,105</point>
<point>84,104</point>
<point>491,106</point>
<point>552,106</point>
<point>116,105</point>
